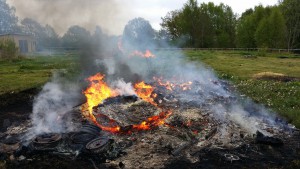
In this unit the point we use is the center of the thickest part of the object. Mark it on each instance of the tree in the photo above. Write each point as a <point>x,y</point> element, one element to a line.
<point>8,20</point>
<point>75,37</point>
<point>245,32</point>
<point>206,25</point>
<point>52,39</point>
<point>32,27</point>
<point>271,30</point>
<point>254,28</point>
<point>138,33</point>
<point>171,25</point>
<point>291,12</point>
<point>223,23</point>
<point>45,36</point>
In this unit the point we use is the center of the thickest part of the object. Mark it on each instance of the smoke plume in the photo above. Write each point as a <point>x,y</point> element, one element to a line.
<point>51,106</point>
<point>61,14</point>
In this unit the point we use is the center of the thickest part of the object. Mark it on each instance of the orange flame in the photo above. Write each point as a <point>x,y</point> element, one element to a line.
<point>153,121</point>
<point>145,92</point>
<point>168,85</point>
<point>95,94</point>
<point>147,54</point>
<point>98,91</point>
<point>171,86</point>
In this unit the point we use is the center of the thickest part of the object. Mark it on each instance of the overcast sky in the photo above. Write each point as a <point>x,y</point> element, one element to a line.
<point>111,15</point>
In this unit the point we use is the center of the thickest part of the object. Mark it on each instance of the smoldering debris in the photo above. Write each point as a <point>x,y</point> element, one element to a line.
<point>51,105</point>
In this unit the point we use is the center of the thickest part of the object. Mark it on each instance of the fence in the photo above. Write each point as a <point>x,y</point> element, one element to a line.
<point>236,49</point>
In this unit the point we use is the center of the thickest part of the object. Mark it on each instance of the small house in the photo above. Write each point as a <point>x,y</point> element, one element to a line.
<point>25,43</point>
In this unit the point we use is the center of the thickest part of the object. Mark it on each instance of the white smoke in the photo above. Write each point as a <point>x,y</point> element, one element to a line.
<point>51,106</point>
<point>123,88</point>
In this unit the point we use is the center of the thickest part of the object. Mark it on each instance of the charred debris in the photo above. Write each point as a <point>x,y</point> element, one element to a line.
<point>192,137</point>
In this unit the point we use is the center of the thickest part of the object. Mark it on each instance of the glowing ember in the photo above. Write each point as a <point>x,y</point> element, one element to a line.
<point>186,86</point>
<point>147,54</point>
<point>153,121</point>
<point>171,86</point>
<point>145,92</point>
<point>168,85</point>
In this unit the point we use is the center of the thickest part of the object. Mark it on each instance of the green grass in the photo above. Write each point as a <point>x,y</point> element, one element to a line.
<point>26,73</point>
<point>240,67</point>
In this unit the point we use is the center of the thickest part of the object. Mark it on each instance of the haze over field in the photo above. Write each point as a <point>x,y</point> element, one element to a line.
<point>111,15</point>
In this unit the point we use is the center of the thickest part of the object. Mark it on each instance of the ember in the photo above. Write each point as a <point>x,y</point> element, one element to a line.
<point>172,86</point>
<point>147,54</point>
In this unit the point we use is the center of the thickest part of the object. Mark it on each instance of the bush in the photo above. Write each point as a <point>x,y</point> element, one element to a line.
<point>8,49</point>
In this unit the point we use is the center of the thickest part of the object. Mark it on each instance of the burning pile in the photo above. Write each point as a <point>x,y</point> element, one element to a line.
<point>98,91</point>
<point>164,119</point>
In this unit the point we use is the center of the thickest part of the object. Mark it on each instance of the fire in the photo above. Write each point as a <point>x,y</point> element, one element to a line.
<point>186,86</point>
<point>171,86</point>
<point>147,54</point>
<point>168,85</point>
<point>153,121</point>
<point>98,91</point>
<point>145,92</point>
<point>95,94</point>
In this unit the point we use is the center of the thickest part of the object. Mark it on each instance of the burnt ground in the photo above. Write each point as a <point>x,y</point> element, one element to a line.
<point>16,107</point>
<point>264,156</point>
<point>248,155</point>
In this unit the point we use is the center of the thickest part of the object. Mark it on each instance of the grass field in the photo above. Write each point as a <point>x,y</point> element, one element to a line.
<point>279,89</point>
<point>21,74</point>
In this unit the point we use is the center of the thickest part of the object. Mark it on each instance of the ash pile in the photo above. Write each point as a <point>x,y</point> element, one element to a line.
<point>158,128</point>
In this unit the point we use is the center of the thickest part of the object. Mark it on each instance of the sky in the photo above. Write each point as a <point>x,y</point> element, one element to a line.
<point>111,15</point>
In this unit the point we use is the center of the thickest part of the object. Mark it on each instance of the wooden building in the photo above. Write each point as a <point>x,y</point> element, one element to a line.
<point>25,43</point>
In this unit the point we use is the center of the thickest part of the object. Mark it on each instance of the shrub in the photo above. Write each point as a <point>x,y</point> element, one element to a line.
<point>8,49</point>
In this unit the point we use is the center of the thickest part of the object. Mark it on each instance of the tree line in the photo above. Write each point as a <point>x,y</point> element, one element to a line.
<point>204,25</point>
<point>209,25</point>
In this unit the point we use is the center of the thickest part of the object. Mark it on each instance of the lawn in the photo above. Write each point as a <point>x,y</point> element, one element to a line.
<point>26,73</point>
<point>279,89</point>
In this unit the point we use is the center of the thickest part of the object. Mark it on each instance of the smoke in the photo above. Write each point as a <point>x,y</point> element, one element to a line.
<point>123,88</point>
<point>208,92</point>
<point>61,14</point>
<point>57,97</point>
<point>52,105</point>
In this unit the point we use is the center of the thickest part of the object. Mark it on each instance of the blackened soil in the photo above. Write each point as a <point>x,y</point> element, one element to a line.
<point>16,107</point>
<point>250,155</point>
